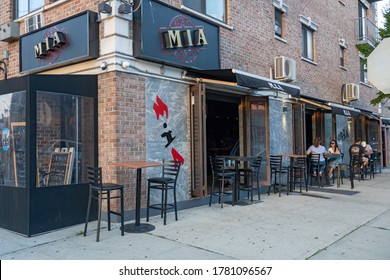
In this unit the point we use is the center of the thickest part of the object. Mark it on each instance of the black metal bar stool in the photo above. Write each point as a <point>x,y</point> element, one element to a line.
<point>102,191</point>
<point>167,181</point>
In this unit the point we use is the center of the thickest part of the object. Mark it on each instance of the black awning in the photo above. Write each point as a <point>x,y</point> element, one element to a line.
<point>244,79</point>
<point>385,121</point>
<point>344,110</point>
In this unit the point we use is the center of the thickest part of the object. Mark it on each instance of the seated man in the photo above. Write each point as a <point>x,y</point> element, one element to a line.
<point>316,148</point>
<point>357,148</point>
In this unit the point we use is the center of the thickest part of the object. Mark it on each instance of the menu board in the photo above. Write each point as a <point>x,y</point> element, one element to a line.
<point>58,168</point>
<point>18,135</point>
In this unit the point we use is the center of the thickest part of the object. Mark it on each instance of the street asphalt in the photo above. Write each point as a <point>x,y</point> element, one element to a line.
<point>327,223</point>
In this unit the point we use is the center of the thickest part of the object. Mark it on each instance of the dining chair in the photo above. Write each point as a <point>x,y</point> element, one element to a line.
<point>167,181</point>
<point>223,176</point>
<point>356,166</point>
<point>251,175</point>
<point>299,171</point>
<point>276,172</point>
<point>314,168</point>
<point>102,191</point>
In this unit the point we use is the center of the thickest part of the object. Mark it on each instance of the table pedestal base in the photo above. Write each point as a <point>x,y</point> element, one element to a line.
<point>132,228</point>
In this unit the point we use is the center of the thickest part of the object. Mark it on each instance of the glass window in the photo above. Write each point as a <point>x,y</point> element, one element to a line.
<point>65,138</point>
<point>342,56</point>
<point>363,71</point>
<point>278,23</point>
<point>13,139</point>
<point>307,43</point>
<point>213,8</point>
<point>362,14</point>
<point>258,133</point>
<point>24,7</point>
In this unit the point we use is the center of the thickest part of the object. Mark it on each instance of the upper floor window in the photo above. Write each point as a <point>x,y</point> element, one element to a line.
<point>24,7</point>
<point>362,14</point>
<point>212,8</point>
<point>280,10</point>
<point>307,43</point>
<point>363,71</point>
<point>308,38</point>
<point>278,23</point>
<point>342,56</point>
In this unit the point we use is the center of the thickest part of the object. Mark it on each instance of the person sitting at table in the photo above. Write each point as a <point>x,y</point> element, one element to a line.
<point>357,148</point>
<point>367,151</point>
<point>317,148</point>
<point>336,160</point>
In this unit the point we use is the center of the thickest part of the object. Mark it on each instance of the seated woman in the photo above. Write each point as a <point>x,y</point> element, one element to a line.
<point>333,161</point>
<point>317,148</point>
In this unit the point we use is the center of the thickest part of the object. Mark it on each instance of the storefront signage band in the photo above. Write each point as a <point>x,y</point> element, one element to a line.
<point>174,37</point>
<point>65,42</point>
<point>51,44</point>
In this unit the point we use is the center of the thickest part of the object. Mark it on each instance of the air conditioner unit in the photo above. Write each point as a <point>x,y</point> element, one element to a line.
<point>34,22</point>
<point>284,69</point>
<point>351,92</point>
<point>9,32</point>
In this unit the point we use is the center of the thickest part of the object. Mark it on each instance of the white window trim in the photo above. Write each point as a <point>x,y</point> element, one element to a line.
<point>309,61</point>
<point>280,39</point>
<point>278,4</point>
<point>342,2</point>
<point>40,10</point>
<point>205,17</point>
<point>308,22</point>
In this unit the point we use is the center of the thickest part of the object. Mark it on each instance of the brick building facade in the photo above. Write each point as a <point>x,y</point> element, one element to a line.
<point>269,121</point>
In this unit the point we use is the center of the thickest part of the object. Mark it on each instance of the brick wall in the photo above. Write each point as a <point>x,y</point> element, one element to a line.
<point>122,132</point>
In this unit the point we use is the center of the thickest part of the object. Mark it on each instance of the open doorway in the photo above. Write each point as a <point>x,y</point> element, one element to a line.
<point>222,128</point>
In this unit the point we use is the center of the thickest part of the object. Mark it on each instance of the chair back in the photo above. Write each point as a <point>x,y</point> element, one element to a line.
<point>299,162</point>
<point>255,164</point>
<point>314,162</point>
<point>171,169</point>
<point>275,162</point>
<point>217,164</point>
<point>95,177</point>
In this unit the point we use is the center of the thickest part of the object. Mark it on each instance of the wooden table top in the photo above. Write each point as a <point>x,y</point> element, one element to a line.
<point>293,156</point>
<point>138,164</point>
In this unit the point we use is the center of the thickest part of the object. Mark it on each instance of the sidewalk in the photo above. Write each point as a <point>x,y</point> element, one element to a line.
<point>328,223</point>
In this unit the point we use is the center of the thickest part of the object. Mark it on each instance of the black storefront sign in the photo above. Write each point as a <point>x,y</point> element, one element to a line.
<point>66,42</point>
<point>167,35</point>
<point>345,111</point>
<point>244,79</point>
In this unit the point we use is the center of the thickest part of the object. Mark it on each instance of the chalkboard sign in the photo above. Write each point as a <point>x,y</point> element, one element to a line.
<point>18,135</point>
<point>58,169</point>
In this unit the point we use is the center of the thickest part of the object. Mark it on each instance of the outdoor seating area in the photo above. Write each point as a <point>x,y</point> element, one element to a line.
<point>235,180</point>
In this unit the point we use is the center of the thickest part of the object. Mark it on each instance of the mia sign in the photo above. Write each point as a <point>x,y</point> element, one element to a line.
<point>378,70</point>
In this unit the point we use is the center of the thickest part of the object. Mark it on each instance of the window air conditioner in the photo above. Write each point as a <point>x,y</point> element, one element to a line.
<point>34,22</point>
<point>351,92</point>
<point>284,69</point>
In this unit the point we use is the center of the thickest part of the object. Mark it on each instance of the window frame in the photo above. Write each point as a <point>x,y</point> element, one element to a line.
<point>363,70</point>
<point>203,7</point>
<point>305,43</point>
<point>281,26</point>
<point>308,26</point>
<point>342,56</point>
<point>29,9</point>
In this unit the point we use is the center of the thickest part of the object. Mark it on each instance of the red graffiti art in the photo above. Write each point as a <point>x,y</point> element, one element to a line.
<point>160,108</point>
<point>177,156</point>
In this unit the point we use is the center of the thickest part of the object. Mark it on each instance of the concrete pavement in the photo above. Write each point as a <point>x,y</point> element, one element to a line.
<point>324,223</point>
